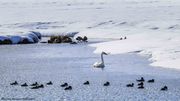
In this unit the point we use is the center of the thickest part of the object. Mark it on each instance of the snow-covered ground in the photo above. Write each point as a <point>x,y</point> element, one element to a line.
<point>152,26</point>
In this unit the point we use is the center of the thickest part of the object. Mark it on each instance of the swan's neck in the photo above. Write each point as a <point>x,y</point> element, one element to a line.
<point>102,60</point>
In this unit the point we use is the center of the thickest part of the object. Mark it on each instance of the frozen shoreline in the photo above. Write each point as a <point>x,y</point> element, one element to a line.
<point>163,50</point>
<point>63,63</point>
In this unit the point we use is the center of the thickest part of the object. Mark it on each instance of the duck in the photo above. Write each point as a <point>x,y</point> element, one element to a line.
<point>106,84</point>
<point>68,88</point>
<point>49,83</point>
<point>141,87</point>
<point>34,84</point>
<point>41,86</point>
<point>35,87</point>
<point>24,85</point>
<point>151,81</point>
<point>85,39</point>
<point>64,85</point>
<point>79,39</point>
<point>38,86</point>
<point>130,85</point>
<point>141,83</point>
<point>86,83</point>
<point>14,83</point>
<point>165,88</point>
<point>141,80</point>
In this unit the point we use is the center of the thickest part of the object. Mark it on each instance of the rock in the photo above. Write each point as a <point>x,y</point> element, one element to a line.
<point>66,39</point>
<point>53,38</point>
<point>26,40</point>
<point>15,39</point>
<point>34,37</point>
<point>6,41</point>
<point>49,41</point>
<point>57,40</point>
<point>37,33</point>
<point>60,39</point>
<point>29,38</point>
<point>2,38</point>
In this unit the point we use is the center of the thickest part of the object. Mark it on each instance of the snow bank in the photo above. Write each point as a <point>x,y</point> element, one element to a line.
<point>163,50</point>
<point>48,33</point>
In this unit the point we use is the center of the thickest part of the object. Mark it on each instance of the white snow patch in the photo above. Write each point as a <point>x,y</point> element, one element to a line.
<point>164,50</point>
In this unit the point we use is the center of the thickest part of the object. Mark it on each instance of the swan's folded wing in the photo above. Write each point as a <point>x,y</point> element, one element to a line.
<point>96,64</point>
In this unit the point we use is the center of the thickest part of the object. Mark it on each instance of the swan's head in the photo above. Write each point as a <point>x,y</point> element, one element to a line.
<point>104,53</point>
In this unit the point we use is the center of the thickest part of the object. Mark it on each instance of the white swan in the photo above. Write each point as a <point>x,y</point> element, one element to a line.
<point>100,64</point>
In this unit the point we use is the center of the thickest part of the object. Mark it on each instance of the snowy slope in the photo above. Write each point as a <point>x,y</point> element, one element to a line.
<point>151,26</point>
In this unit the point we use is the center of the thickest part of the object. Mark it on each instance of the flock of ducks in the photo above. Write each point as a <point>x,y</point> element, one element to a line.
<point>37,86</point>
<point>141,84</point>
<point>66,86</point>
